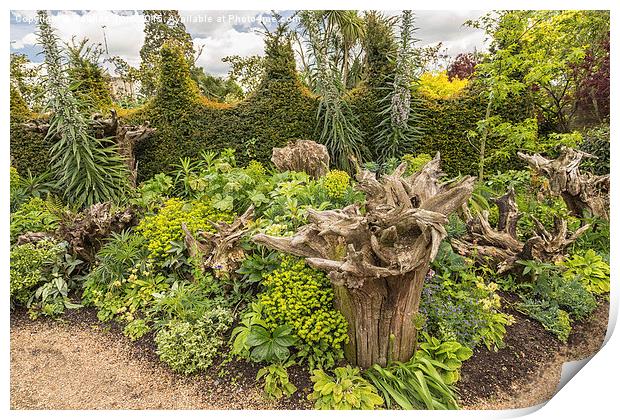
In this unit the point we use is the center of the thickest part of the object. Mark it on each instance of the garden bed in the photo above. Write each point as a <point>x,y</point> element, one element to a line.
<point>100,368</point>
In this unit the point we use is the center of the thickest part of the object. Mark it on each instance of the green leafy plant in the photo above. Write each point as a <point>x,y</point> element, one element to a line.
<point>548,284</point>
<point>189,347</point>
<point>590,270</point>
<point>124,284</point>
<point>238,338</point>
<point>52,297</point>
<point>35,215</point>
<point>460,306</point>
<point>336,123</point>
<point>255,266</point>
<point>447,356</point>
<point>42,275</point>
<point>399,131</point>
<point>276,380</point>
<point>31,265</point>
<point>552,318</point>
<point>88,170</point>
<point>186,300</point>
<point>152,192</point>
<point>415,385</point>
<point>348,390</point>
<point>26,186</point>
<point>136,329</point>
<point>270,346</point>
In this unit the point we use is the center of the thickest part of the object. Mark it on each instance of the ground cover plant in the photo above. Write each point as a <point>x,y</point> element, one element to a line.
<point>433,213</point>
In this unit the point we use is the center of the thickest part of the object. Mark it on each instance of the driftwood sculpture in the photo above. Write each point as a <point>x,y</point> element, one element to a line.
<point>377,260</point>
<point>127,137</point>
<point>502,247</point>
<point>220,251</point>
<point>86,232</point>
<point>582,192</point>
<point>33,237</point>
<point>303,156</point>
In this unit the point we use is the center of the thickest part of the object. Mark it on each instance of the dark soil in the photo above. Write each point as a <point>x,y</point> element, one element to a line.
<point>526,370</point>
<point>523,373</point>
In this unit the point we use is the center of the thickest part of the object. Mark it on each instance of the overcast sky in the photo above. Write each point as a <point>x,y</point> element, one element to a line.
<point>222,33</point>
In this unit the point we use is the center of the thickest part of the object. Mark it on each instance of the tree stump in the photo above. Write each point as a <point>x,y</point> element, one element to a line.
<point>501,246</point>
<point>377,260</point>
<point>582,192</point>
<point>87,231</point>
<point>220,251</point>
<point>302,156</point>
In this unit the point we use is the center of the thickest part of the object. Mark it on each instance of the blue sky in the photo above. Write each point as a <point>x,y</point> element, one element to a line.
<point>220,33</point>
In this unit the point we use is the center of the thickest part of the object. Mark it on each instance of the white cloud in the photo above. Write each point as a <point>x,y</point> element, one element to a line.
<point>222,32</point>
<point>27,40</point>
<point>224,43</point>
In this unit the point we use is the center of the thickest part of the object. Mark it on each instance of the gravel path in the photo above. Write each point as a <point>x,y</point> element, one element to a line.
<point>81,364</point>
<point>64,366</point>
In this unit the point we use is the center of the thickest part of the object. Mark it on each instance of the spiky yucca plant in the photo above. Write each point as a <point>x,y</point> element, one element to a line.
<point>87,170</point>
<point>398,134</point>
<point>336,121</point>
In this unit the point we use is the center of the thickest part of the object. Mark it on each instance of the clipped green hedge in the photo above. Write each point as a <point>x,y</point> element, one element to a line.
<point>29,150</point>
<point>445,123</point>
<point>279,111</point>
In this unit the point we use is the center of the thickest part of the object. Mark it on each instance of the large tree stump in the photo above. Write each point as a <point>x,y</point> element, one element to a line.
<point>377,260</point>
<point>501,246</point>
<point>302,156</point>
<point>582,192</point>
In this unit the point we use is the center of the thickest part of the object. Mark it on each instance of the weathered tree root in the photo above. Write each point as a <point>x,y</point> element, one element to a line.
<point>582,192</point>
<point>502,246</point>
<point>33,237</point>
<point>220,251</point>
<point>377,261</point>
<point>86,232</point>
<point>302,156</point>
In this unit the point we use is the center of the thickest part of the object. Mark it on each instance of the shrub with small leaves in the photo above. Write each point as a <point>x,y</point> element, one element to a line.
<point>31,266</point>
<point>347,391</point>
<point>189,347</point>
<point>165,227</point>
<point>302,298</point>
<point>336,183</point>
<point>136,329</point>
<point>415,163</point>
